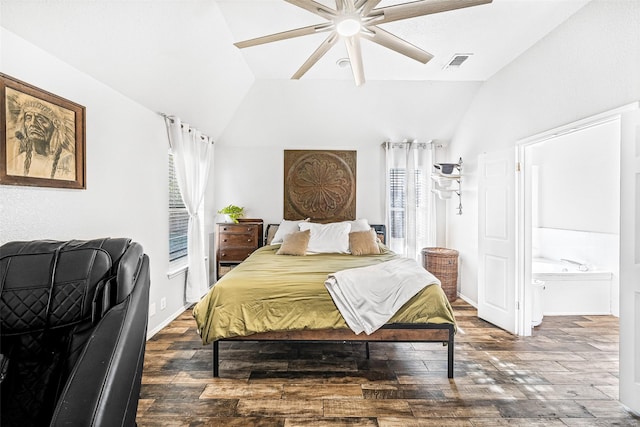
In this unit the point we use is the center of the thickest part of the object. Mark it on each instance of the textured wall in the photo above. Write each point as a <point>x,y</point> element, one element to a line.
<point>126,194</point>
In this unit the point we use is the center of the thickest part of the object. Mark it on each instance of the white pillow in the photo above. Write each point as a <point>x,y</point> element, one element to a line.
<point>359,225</point>
<point>328,238</point>
<point>285,227</point>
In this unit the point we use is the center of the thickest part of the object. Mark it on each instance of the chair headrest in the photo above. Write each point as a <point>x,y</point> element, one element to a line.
<point>48,284</point>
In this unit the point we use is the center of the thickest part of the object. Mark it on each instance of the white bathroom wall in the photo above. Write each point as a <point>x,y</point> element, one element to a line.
<point>579,179</point>
<point>599,251</point>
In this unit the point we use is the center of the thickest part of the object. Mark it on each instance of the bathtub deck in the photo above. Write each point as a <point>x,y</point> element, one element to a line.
<point>573,292</point>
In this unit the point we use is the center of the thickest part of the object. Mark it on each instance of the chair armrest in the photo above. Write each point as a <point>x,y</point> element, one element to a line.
<point>104,386</point>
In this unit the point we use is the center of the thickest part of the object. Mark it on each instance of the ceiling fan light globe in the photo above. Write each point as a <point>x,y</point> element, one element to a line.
<point>348,27</point>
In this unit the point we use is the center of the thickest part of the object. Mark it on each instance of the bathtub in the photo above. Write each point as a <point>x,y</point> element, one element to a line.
<point>569,291</point>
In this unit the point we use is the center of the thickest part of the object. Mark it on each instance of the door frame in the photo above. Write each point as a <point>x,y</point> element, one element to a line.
<point>523,205</point>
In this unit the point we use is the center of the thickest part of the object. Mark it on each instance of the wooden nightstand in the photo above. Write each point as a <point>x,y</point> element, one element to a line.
<point>235,242</point>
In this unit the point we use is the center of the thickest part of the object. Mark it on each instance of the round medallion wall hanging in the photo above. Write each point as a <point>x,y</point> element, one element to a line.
<point>320,185</point>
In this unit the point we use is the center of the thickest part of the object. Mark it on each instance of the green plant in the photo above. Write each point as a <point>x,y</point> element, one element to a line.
<point>232,211</point>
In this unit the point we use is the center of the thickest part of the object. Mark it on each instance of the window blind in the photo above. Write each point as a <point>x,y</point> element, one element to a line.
<point>398,198</point>
<point>178,217</point>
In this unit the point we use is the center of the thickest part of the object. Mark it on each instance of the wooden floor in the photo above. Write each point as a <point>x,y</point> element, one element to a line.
<point>566,374</point>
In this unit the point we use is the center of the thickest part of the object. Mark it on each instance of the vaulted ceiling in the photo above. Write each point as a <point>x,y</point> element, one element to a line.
<point>494,33</point>
<point>178,56</point>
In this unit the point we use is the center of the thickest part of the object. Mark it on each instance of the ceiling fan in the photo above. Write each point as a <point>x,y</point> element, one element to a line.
<point>352,20</point>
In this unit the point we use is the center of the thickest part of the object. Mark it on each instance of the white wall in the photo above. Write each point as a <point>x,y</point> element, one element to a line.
<point>579,180</point>
<point>336,115</point>
<point>588,65</point>
<point>126,157</point>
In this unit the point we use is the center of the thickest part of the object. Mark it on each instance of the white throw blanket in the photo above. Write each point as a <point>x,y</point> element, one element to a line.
<point>368,297</point>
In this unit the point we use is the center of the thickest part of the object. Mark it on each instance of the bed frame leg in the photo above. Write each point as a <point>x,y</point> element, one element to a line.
<point>450,348</point>
<point>366,346</point>
<point>216,359</point>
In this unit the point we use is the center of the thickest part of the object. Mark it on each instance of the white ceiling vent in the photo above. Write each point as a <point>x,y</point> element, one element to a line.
<point>457,60</point>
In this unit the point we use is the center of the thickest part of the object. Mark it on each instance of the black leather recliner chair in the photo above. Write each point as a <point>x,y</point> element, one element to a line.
<point>73,326</point>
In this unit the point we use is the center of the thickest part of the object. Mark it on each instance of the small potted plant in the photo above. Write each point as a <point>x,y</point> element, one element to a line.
<point>232,212</point>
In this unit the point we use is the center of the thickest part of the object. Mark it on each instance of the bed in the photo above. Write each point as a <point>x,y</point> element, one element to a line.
<point>275,297</point>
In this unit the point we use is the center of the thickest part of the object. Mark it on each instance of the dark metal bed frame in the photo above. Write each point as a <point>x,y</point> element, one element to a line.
<point>394,332</point>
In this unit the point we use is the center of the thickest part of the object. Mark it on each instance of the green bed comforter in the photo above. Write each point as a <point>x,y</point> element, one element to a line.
<point>270,292</point>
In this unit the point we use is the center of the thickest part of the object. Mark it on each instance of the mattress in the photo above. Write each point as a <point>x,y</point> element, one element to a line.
<point>269,292</point>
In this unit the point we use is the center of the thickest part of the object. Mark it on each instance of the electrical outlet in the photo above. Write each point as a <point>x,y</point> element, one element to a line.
<point>163,303</point>
<point>152,309</point>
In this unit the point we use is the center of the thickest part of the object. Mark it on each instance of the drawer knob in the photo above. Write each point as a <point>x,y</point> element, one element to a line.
<point>223,254</point>
<point>225,240</point>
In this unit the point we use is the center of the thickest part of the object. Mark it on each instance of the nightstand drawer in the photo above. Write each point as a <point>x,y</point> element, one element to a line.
<point>234,254</point>
<point>238,229</point>
<point>242,240</point>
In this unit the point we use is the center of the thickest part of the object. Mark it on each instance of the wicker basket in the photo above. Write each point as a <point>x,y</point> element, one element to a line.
<point>443,263</point>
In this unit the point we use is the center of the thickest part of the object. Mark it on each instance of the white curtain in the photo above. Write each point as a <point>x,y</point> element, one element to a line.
<point>192,155</point>
<point>410,203</point>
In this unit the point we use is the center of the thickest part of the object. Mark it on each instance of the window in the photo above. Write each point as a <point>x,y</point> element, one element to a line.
<point>398,200</point>
<point>410,209</point>
<point>178,217</point>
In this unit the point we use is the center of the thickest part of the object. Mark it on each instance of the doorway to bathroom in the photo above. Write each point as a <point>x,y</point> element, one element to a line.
<point>511,225</point>
<point>560,238</point>
<point>571,220</point>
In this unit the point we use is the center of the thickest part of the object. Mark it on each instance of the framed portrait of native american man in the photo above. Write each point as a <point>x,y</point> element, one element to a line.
<point>42,137</point>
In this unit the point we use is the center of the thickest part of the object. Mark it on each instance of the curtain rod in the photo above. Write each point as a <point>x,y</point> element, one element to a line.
<point>413,141</point>
<point>171,119</point>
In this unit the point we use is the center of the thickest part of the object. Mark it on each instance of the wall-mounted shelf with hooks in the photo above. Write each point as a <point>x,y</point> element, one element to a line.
<point>445,177</point>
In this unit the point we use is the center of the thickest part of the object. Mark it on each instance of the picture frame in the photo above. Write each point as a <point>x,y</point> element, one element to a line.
<point>42,137</point>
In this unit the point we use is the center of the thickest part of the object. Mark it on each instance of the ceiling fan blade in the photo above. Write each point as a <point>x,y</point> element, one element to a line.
<point>298,32</point>
<point>315,56</point>
<point>314,7</point>
<point>350,6</point>
<point>360,3</point>
<point>422,7</point>
<point>388,40</point>
<point>355,58</point>
<point>369,5</point>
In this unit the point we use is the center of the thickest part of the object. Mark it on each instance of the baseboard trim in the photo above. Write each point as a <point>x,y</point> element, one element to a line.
<point>472,303</point>
<point>169,319</point>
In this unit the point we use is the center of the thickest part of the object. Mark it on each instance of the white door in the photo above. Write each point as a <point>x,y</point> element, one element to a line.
<point>630,260</point>
<point>497,239</point>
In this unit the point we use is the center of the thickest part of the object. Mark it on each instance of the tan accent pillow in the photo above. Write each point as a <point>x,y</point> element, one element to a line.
<point>295,243</point>
<point>364,243</point>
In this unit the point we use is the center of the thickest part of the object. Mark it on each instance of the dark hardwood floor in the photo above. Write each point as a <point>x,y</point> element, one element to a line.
<point>566,374</point>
